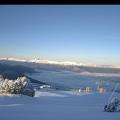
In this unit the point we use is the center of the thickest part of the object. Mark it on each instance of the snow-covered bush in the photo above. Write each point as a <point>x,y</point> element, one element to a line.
<point>21,85</point>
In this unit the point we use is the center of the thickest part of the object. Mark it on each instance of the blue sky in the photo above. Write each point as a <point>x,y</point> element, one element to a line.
<point>82,33</point>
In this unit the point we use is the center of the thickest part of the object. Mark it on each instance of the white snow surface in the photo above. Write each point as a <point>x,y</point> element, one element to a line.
<point>56,105</point>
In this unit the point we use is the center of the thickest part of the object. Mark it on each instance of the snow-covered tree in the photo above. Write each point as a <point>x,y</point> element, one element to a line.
<point>21,85</point>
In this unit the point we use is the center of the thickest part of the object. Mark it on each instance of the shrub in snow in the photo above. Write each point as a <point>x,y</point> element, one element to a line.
<point>21,85</point>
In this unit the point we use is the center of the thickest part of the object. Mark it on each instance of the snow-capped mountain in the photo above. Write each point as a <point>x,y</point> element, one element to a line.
<point>44,61</point>
<point>58,62</point>
<point>61,62</point>
<point>14,59</point>
<point>55,62</point>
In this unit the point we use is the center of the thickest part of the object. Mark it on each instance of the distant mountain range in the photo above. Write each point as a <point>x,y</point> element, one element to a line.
<point>59,63</point>
<point>37,64</point>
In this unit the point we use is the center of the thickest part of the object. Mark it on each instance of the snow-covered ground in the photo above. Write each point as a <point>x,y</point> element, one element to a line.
<point>74,80</point>
<point>51,104</point>
<point>56,105</point>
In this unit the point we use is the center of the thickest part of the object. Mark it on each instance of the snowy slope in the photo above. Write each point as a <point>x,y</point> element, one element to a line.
<point>54,107</point>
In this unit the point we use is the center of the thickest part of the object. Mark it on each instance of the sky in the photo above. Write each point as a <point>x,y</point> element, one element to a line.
<point>81,33</point>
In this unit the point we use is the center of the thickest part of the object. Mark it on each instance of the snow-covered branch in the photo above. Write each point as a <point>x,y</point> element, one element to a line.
<point>21,85</point>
